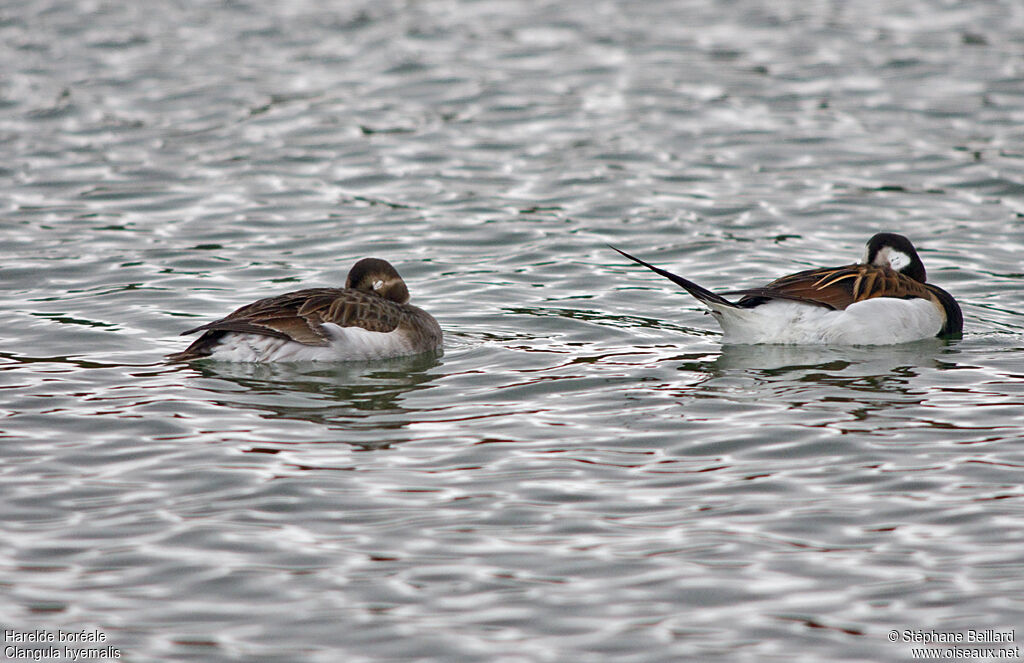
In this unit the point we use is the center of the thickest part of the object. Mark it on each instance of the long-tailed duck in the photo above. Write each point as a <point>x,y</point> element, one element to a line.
<point>882,300</point>
<point>370,318</point>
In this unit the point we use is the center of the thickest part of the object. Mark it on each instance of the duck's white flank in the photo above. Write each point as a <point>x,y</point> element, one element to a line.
<point>347,344</point>
<point>876,321</point>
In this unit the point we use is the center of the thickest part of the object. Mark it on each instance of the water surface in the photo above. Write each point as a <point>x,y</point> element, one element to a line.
<point>586,473</point>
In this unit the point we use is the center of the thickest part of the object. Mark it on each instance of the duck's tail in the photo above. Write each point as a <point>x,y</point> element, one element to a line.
<point>702,294</point>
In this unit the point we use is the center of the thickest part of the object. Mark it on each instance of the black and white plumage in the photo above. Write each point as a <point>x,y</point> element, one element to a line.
<point>883,300</point>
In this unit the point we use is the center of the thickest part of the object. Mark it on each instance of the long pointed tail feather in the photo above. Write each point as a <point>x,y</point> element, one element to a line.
<point>699,292</point>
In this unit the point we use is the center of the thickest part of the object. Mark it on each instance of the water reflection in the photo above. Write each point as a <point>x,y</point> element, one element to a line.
<point>352,395</point>
<point>810,374</point>
<point>858,361</point>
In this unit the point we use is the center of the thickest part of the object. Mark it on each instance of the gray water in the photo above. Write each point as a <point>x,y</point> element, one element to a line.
<point>586,474</point>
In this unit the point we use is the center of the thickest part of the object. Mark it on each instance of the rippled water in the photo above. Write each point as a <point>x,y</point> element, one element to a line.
<point>586,473</point>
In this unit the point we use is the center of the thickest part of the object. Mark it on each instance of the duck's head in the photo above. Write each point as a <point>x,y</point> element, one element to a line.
<point>896,252</point>
<point>379,277</point>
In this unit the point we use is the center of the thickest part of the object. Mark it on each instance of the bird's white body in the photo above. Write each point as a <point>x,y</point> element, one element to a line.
<point>877,321</point>
<point>346,344</point>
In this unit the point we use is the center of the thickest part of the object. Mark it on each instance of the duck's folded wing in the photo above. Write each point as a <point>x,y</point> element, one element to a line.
<point>836,288</point>
<point>300,316</point>
<point>355,309</point>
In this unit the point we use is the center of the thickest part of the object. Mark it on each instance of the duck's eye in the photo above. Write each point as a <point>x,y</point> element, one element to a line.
<point>377,285</point>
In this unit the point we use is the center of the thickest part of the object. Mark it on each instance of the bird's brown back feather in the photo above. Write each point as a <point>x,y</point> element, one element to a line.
<point>299,316</point>
<point>837,287</point>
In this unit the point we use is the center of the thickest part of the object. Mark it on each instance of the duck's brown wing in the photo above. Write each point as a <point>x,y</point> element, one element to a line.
<point>837,287</point>
<point>299,316</point>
